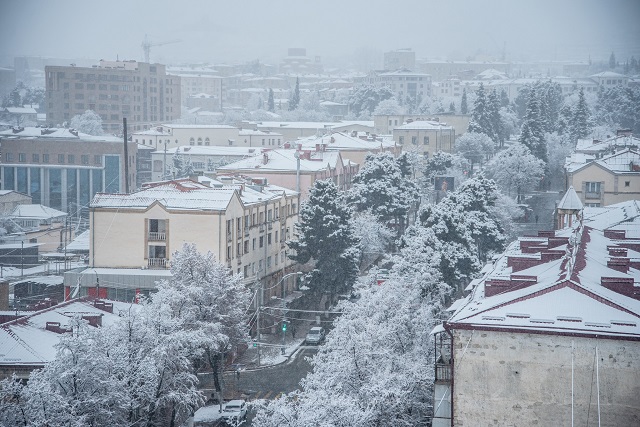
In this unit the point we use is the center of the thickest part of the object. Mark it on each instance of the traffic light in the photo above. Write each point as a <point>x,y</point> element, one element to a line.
<point>284,326</point>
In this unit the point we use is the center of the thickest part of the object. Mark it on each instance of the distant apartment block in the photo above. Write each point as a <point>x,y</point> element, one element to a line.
<point>143,93</point>
<point>425,137</point>
<point>400,59</point>
<point>404,84</point>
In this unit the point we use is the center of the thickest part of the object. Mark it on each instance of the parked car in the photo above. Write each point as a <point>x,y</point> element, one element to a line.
<point>315,335</point>
<point>235,412</point>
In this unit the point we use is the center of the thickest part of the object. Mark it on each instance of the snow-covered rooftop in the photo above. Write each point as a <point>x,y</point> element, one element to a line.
<point>184,194</point>
<point>51,133</point>
<point>27,342</point>
<point>40,212</point>
<point>579,280</point>
<point>342,141</point>
<point>283,160</point>
<point>570,200</point>
<point>423,124</point>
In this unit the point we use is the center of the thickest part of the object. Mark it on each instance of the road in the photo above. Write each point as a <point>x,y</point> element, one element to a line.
<point>265,383</point>
<point>543,205</point>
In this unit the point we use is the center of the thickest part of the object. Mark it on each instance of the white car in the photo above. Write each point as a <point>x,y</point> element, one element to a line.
<point>235,412</point>
<point>315,335</point>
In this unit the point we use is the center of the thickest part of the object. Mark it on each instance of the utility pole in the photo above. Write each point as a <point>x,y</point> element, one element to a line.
<point>22,260</point>
<point>164,162</point>
<point>126,157</point>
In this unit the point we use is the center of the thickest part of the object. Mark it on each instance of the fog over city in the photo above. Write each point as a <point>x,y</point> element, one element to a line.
<point>343,33</point>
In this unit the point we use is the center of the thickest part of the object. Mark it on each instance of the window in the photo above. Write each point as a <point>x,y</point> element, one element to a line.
<point>85,159</point>
<point>246,246</point>
<point>239,249</point>
<point>207,141</point>
<point>71,159</point>
<point>97,159</point>
<point>228,252</point>
<point>254,244</point>
<point>45,158</point>
<point>22,157</point>
<point>414,140</point>
<point>192,141</point>
<point>269,238</point>
<point>592,190</point>
<point>261,241</point>
<point>199,141</point>
<point>60,158</point>
<point>627,183</point>
<point>426,140</point>
<point>268,262</point>
<point>35,158</point>
<point>79,86</point>
<point>246,271</point>
<point>401,140</point>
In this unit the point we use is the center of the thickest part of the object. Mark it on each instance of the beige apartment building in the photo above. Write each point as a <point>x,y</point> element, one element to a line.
<point>608,180</point>
<point>283,168</point>
<point>194,84</point>
<point>140,92</point>
<point>244,224</point>
<point>353,146</point>
<point>425,137</point>
<point>384,124</point>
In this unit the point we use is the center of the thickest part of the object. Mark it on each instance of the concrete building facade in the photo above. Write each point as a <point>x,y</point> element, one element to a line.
<point>425,137</point>
<point>141,92</point>
<point>64,169</point>
<point>549,334</point>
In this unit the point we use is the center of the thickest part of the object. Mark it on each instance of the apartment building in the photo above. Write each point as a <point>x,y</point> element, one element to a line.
<point>548,334</point>
<point>62,168</point>
<point>404,84</point>
<point>195,84</point>
<point>351,146</point>
<point>244,224</point>
<point>140,92</point>
<point>425,137</point>
<point>400,59</point>
<point>296,168</point>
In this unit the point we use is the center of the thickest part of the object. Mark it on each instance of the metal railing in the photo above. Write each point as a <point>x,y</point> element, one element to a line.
<point>591,195</point>
<point>443,372</point>
<point>157,262</point>
<point>155,235</point>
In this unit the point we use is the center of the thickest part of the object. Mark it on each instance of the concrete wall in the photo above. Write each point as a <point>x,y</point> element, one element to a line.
<point>511,379</point>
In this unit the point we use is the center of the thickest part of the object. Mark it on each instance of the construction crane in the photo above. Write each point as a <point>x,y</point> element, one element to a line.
<point>147,44</point>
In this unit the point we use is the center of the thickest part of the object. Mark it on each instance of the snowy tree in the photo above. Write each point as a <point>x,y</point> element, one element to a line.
<point>510,122</point>
<point>88,122</point>
<point>497,127</point>
<point>464,109</point>
<point>559,147</point>
<point>365,98</point>
<point>182,166</point>
<point>516,170</point>
<point>475,147</point>
<point>619,107</point>
<point>381,187</point>
<point>532,132</point>
<point>325,237</point>
<point>375,367</point>
<point>388,107</point>
<point>374,236</point>
<point>551,101</point>
<point>581,122</point>
<point>294,100</point>
<point>612,61</point>
<point>34,96</point>
<point>207,301</point>
<point>481,115</point>
<point>452,107</point>
<point>271,106</point>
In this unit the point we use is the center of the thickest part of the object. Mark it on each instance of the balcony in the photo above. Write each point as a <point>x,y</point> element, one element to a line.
<point>246,231</point>
<point>157,262</point>
<point>443,372</point>
<point>592,195</point>
<point>270,226</point>
<point>229,237</point>
<point>157,236</point>
<point>261,228</point>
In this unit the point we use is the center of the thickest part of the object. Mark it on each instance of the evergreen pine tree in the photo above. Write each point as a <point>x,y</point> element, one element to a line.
<point>497,127</point>
<point>294,101</point>
<point>612,61</point>
<point>504,99</point>
<point>481,121</point>
<point>464,109</point>
<point>532,134</point>
<point>452,107</point>
<point>580,123</point>
<point>325,237</point>
<point>270,102</point>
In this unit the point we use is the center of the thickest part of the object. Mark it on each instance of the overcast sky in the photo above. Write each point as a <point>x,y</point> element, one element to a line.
<point>238,31</point>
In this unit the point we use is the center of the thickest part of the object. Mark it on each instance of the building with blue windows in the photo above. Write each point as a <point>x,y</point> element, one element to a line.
<point>62,168</point>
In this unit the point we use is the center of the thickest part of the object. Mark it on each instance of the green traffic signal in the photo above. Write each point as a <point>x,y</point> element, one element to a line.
<point>284,326</point>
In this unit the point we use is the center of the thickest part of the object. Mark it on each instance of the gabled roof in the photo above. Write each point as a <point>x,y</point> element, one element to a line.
<point>616,163</point>
<point>342,141</point>
<point>39,212</point>
<point>570,200</point>
<point>283,160</point>
<point>582,280</point>
<point>26,341</point>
